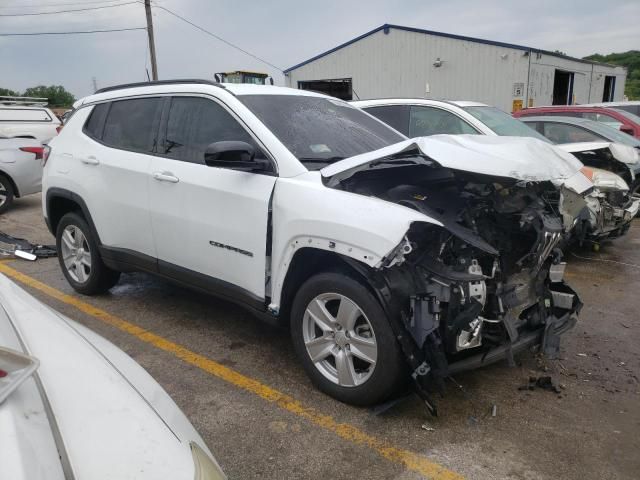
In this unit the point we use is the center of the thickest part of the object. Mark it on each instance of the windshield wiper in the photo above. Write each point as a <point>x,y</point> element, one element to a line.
<point>321,160</point>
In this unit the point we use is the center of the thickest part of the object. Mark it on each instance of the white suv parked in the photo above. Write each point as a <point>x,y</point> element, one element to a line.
<point>391,258</point>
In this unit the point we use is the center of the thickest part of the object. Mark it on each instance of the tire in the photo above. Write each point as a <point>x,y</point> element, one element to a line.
<point>332,346</point>
<point>6,194</point>
<point>79,257</point>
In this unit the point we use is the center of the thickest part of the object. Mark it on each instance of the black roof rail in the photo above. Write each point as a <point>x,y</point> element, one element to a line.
<point>159,82</point>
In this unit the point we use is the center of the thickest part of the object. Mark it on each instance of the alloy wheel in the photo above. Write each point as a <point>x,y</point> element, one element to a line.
<point>76,254</point>
<point>339,339</point>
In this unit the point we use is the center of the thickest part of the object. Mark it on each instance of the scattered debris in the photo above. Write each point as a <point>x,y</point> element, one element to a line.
<point>582,354</point>
<point>21,248</point>
<point>624,325</point>
<point>545,383</point>
<point>494,410</point>
<point>428,428</point>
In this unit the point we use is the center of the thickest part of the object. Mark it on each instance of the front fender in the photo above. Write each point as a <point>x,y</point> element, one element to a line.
<point>307,214</point>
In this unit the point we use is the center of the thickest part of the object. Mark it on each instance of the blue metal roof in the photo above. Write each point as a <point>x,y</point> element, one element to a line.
<point>386,27</point>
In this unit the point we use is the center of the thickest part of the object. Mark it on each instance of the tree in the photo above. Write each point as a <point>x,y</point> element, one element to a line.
<point>57,95</point>
<point>5,92</point>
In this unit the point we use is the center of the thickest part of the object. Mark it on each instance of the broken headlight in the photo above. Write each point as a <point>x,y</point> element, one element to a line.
<point>604,180</point>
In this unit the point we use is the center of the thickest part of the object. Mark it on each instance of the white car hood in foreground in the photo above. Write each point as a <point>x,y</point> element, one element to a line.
<point>520,158</point>
<point>114,420</point>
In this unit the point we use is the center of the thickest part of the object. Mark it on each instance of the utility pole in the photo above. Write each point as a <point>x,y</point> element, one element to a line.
<point>95,84</point>
<point>152,45</point>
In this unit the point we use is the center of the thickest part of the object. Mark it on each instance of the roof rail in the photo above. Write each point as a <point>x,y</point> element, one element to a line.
<point>24,101</point>
<point>158,82</point>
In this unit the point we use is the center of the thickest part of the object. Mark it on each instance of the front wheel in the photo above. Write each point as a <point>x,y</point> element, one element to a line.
<point>344,340</point>
<point>80,259</point>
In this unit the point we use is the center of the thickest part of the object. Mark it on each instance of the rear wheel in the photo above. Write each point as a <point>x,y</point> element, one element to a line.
<point>80,259</point>
<point>6,194</point>
<point>344,340</point>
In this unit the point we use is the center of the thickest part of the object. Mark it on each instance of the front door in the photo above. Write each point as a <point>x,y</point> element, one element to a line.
<point>210,224</point>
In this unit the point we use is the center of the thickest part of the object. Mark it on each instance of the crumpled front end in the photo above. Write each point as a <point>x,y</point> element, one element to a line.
<point>488,282</point>
<point>611,207</point>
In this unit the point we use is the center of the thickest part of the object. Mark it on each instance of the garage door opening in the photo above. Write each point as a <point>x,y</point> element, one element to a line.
<point>339,88</point>
<point>609,88</point>
<point>562,88</point>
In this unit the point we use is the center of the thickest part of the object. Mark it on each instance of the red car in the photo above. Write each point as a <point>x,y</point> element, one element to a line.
<point>626,122</point>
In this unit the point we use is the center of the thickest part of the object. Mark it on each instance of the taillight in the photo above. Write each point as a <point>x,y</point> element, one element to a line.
<point>46,151</point>
<point>59,128</point>
<point>39,151</point>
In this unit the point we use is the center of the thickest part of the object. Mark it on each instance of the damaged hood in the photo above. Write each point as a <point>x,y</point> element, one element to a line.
<point>519,158</point>
<point>623,153</point>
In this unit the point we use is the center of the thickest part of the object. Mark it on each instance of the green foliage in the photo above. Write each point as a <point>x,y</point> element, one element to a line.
<point>57,95</point>
<point>5,92</point>
<point>631,60</point>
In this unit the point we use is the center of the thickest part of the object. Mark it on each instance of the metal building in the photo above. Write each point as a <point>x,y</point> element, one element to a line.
<point>396,61</point>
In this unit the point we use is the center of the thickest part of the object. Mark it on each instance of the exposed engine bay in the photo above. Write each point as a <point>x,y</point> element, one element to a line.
<point>485,284</point>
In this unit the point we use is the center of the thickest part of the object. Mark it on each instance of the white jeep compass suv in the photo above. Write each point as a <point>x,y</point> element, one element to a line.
<point>392,259</point>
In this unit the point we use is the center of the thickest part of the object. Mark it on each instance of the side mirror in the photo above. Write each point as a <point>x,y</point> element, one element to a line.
<point>234,155</point>
<point>626,129</point>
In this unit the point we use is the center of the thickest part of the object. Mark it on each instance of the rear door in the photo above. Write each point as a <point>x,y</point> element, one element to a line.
<point>396,116</point>
<point>210,223</point>
<point>113,171</point>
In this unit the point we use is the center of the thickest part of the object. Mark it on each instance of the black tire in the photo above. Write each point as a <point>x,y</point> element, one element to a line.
<point>390,370</point>
<point>6,188</point>
<point>100,277</point>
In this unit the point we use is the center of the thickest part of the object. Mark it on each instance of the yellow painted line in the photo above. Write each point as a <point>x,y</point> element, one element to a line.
<point>412,461</point>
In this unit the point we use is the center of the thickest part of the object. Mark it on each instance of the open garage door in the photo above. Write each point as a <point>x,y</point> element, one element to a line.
<point>339,88</point>
<point>562,88</point>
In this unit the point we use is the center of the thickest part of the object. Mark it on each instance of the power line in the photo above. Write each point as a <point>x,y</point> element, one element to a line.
<point>40,5</point>
<point>64,11</point>
<point>217,37</point>
<point>70,33</point>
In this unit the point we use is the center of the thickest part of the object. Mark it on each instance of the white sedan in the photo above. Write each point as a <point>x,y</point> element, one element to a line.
<point>20,169</point>
<point>72,405</point>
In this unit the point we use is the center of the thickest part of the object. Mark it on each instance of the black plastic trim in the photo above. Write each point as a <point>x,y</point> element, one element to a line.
<point>159,82</point>
<point>56,192</point>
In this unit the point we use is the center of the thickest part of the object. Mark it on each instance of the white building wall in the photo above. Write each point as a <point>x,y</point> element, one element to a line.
<point>400,64</point>
<point>588,79</point>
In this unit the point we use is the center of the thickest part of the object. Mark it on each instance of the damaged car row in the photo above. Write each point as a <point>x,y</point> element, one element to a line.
<point>393,260</point>
<point>611,165</point>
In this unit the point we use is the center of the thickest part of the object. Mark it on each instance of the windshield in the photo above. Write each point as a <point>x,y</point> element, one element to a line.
<point>613,134</point>
<point>319,130</point>
<point>631,116</point>
<point>502,123</point>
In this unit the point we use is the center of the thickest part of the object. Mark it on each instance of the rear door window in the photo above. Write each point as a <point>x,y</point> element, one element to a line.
<point>564,133</point>
<point>194,123</point>
<point>133,124</point>
<point>426,121</point>
<point>396,116</point>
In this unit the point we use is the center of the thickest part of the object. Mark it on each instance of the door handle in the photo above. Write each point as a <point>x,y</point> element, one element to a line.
<point>90,160</point>
<point>165,177</point>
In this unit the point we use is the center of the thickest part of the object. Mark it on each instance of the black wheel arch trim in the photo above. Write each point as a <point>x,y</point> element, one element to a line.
<point>56,192</point>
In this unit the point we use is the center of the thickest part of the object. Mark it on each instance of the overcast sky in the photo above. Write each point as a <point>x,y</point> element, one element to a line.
<point>284,32</point>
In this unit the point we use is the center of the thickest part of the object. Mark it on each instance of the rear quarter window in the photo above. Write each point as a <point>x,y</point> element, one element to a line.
<point>94,125</point>
<point>24,115</point>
